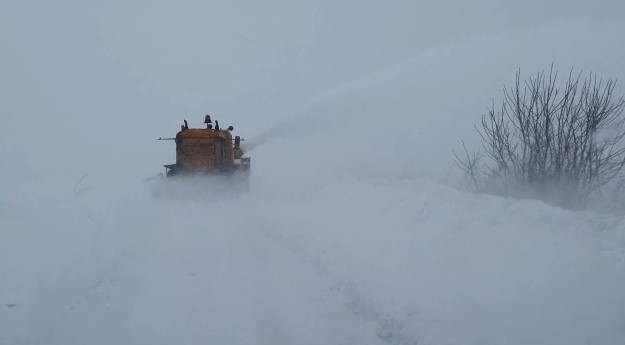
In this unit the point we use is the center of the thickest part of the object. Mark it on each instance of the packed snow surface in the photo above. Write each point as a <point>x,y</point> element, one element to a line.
<point>358,229</point>
<point>366,261</point>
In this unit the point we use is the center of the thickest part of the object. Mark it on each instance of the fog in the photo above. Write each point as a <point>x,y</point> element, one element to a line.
<point>110,76</point>
<point>358,228</point>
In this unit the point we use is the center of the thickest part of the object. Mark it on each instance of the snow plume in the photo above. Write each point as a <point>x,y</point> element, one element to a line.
<point>290,128</point>
<point>409,115</point>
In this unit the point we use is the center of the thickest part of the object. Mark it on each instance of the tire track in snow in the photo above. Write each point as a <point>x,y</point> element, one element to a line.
<point>390,328</point>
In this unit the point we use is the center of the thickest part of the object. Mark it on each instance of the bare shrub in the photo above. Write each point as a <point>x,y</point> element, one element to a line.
<point>556,142</point>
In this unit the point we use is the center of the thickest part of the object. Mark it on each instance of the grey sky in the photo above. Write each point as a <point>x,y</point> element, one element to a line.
<point>88,72</point>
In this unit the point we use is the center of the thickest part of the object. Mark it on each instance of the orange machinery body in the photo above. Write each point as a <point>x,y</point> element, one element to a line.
<point>206,151</point>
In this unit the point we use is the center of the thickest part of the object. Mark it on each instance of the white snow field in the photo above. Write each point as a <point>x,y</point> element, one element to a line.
<point>369,260</point>
<point>358,228</point>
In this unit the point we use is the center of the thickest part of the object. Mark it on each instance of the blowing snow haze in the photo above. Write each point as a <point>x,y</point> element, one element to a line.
<point>354,231</point>
<point>110,76</point>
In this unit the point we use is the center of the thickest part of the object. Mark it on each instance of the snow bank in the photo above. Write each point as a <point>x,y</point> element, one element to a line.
<point>447,267</point>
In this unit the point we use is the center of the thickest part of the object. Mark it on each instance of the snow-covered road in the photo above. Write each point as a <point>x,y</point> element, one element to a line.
<point>171,273</point>
<point>374,261</point>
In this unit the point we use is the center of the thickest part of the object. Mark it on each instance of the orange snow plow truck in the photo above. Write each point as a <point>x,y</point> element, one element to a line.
<point>207,151</point>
